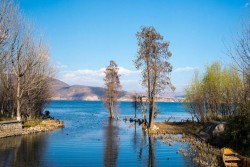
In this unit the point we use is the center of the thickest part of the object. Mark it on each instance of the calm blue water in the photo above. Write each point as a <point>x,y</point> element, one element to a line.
<point>90,139</point>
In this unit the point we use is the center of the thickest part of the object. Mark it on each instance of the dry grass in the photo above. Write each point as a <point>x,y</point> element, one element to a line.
<point>41,126</point>
<point>32,123</point>
<point>178,127</point>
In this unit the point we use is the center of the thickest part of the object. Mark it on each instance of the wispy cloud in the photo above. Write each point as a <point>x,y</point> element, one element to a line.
<point>247,4</point>
<point>61,66</point>
<point>185,69</point>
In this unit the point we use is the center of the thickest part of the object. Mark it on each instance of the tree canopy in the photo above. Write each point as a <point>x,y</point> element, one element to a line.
<point>152,60</point>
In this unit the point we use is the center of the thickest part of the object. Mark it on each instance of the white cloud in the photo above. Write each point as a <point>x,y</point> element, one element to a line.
<point>185,69</point>
<point>130,79</point>
<point>124,71</point>
<point>88,77</point>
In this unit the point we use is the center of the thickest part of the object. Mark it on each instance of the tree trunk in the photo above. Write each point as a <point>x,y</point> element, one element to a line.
<point>151,113</point>
<point>111,113</point>
<point>18,100</point>
<point>135,108</point>
<point>111,109</point>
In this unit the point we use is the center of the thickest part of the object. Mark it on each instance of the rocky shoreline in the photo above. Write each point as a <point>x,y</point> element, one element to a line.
<point>204,141</point>
<point>187,133</point>
<point>45,125</point>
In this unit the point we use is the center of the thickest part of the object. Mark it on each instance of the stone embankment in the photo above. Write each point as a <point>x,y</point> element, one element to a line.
<point>10,128</point>
<point>14,128</point>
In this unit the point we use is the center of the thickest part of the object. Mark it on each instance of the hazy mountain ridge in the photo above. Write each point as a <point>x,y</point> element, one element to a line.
<point>63,91</point>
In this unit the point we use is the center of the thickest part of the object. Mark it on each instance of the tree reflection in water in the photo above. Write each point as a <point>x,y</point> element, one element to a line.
<point>146,152</point>
<point>111,140</point>
<point>27,150</point>
<point>151,151</point>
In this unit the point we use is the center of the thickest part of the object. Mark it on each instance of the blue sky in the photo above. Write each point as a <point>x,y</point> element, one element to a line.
<point>83,35</point>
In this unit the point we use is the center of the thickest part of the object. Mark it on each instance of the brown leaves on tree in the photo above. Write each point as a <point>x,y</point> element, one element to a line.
<point>112,88</point>
<point>152,60</point>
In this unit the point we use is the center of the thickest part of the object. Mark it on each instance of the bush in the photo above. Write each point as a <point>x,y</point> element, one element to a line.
<point>238,133</point>
<point>47,113</point>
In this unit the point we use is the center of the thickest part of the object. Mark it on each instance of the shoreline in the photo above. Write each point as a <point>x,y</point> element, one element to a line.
<point>45,126</point>
<point>17,128</point>
<point>203,152</point>
<point>189,128</point>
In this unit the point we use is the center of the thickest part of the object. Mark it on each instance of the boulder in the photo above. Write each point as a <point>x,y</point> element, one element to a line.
<point>213,132</point>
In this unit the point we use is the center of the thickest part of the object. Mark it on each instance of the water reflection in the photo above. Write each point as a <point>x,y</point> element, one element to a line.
<point>111,144</point>
<point>136,137</point>
<point>145,143</point>
<point>22,150</point>
<point>151,151</point>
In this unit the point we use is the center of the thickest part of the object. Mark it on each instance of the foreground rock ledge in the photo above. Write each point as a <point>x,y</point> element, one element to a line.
<point>45,125</point>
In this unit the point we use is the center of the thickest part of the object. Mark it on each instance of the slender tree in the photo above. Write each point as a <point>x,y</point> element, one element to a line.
<point>194,99</point>
<point>112,88</point>
<point>152,60</point>
<point>217,94</point>
<point>240,53</point>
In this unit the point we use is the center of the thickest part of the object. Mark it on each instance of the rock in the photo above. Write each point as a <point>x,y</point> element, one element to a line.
<point>155,128</point>
<point>213,132</point>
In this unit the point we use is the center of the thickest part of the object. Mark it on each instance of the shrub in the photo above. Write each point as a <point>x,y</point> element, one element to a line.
<point>238,133</point>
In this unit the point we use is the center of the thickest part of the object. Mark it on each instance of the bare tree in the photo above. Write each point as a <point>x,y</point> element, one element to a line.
<point>152,60</point>
<point>37,90</point>
<point>8,18</point>
<point>112,88</point>
<point>240,53</point>
<point>29,62</point>
<point>24,65</point>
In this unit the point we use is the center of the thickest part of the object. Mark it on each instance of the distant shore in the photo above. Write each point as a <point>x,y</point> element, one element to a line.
<point>125,100</point>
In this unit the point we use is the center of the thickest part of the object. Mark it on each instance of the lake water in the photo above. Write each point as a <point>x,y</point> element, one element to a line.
<point>91,139</point>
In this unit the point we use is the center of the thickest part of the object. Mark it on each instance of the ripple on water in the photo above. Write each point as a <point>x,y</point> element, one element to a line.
<point>90,139</point>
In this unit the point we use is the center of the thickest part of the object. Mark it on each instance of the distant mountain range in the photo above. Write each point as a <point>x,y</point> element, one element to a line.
<point>63,91</point>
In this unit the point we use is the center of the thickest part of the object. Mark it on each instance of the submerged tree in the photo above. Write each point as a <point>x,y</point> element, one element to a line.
<point>152,60</point>
<point>135,102</point>
<point>112,88</point>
